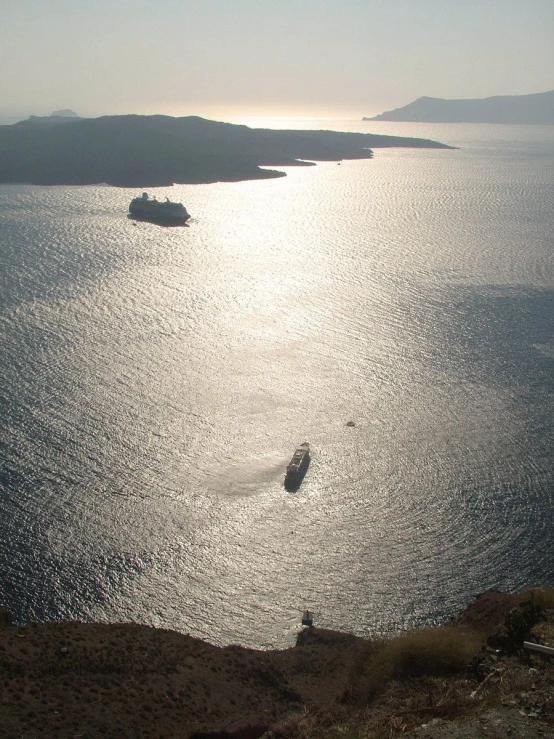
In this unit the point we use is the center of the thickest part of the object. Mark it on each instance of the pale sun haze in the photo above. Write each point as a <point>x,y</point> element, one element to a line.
<point>220,58</point>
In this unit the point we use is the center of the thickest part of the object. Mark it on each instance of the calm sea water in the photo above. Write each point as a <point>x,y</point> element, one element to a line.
<point>155,382</point>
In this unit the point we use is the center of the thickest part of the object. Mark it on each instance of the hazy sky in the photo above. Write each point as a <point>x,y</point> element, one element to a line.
<point>288,57</point>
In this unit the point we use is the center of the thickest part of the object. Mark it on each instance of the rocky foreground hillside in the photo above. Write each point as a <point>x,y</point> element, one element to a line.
<point>468,679</point>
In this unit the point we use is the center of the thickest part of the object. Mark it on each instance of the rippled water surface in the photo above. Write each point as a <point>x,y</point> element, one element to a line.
<point>155,382</point>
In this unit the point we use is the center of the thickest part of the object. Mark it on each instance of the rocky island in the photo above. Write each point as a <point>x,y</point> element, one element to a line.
<point>535,109</point>
<point>469,679</point>
<point>158,150</point>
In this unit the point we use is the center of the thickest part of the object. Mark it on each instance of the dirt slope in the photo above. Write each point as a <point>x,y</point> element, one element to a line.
<point>126,680</point>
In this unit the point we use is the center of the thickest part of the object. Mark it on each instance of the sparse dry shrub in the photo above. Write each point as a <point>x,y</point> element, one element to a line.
<point>294,725</point>
<point>433,652</point>
<point>541,596</point>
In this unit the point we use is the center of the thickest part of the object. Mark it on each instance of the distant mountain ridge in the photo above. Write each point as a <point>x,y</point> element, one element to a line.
<point>157,150</point>
<point>536,109</point>
<point>65,113</point>
<point>58,116</point>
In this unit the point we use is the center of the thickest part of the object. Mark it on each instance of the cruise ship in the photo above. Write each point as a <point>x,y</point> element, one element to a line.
<point>164,212</point>
<point>296,468</point>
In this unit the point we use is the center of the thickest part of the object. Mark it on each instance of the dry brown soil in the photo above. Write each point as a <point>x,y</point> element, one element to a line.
<point>88,681</point>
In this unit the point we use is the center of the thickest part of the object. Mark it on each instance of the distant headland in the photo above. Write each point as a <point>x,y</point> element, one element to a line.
<point>537,109</point>
<point>158,150</point>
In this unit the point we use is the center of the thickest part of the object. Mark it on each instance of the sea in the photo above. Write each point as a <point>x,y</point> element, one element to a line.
<point>154,383</point>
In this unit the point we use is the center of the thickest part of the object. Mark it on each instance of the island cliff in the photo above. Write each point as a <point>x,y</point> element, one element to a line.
<point>126,680</point>
<point>532,109</point>
<point>150,151</point>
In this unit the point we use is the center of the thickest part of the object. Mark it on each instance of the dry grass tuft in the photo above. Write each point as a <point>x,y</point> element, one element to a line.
<point>541,596</point>
<point>434,652</point>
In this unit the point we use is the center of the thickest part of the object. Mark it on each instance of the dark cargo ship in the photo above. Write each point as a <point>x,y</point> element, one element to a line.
<point>296,468</point>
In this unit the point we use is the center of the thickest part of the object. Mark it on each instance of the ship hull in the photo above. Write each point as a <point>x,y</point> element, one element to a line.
<point>159,219</point>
